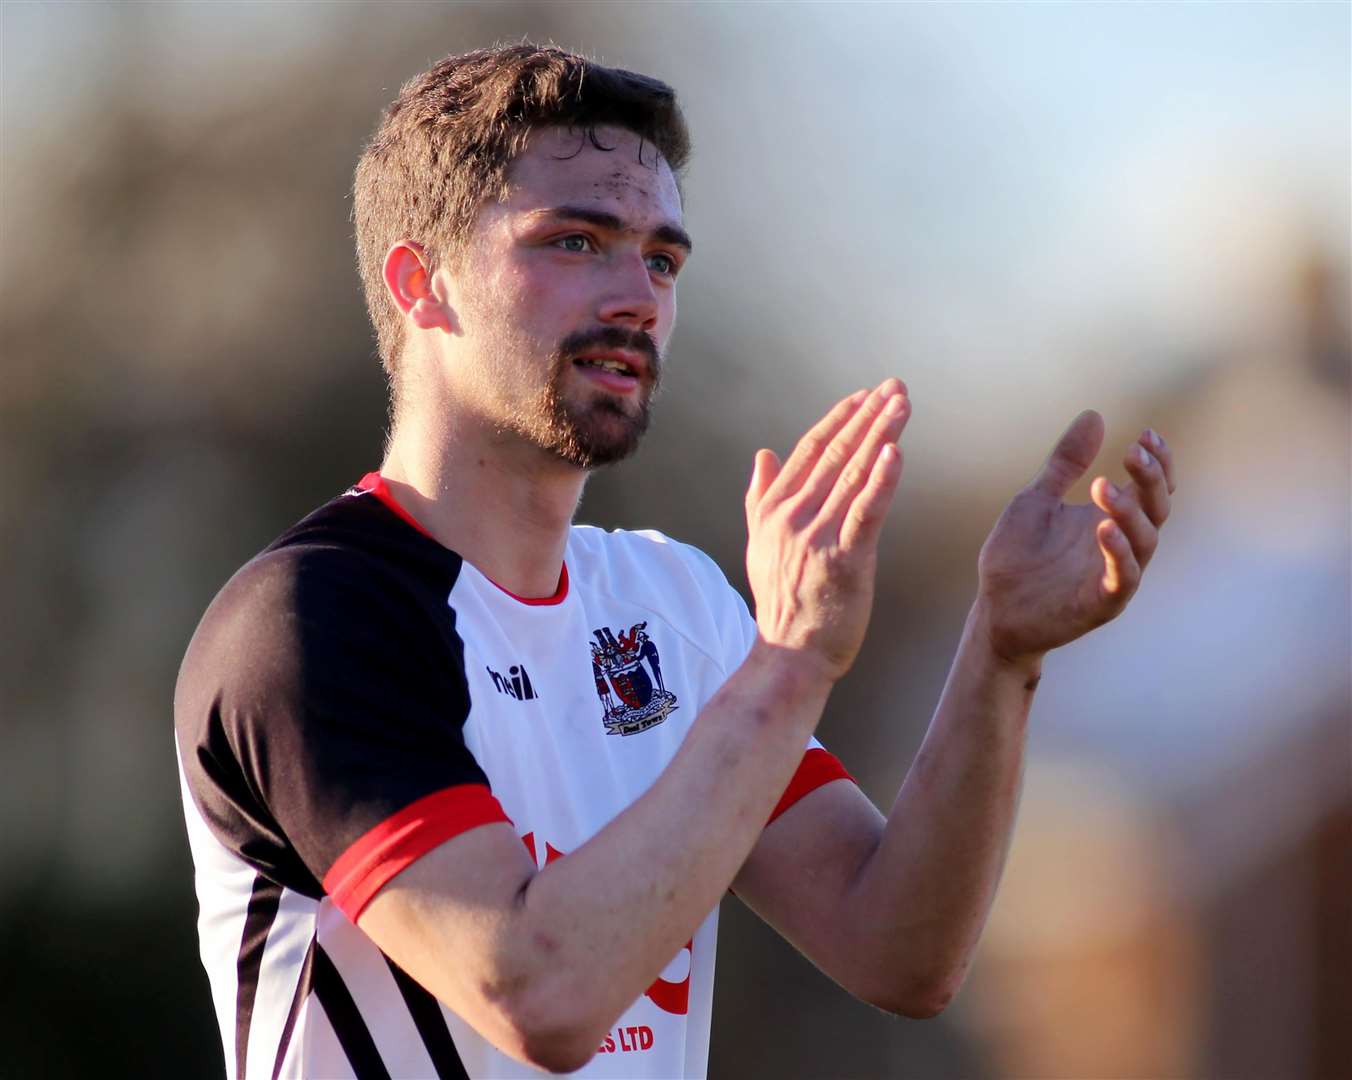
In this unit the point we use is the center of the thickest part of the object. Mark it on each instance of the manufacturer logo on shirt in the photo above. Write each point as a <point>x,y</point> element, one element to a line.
<point>515,684</point>
<point>628,674</point>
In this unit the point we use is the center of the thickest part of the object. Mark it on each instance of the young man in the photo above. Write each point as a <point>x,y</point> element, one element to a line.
<point>465,783</point>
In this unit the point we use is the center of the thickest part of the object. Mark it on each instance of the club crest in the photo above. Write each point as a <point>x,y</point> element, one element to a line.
<point>629,683</point>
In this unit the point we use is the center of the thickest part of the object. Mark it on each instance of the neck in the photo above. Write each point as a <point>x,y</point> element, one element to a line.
<point>502,505</point>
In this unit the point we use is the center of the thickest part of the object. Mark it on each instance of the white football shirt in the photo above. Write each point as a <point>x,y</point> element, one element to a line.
<point>357,695</point>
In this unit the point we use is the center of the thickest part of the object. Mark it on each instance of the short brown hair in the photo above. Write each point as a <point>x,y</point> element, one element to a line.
<point>443,148</point>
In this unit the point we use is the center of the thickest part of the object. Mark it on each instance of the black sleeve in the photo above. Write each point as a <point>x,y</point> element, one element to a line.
<point>320,713</point>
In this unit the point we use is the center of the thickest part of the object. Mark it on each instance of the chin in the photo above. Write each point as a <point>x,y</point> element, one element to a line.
<point>604,435</point>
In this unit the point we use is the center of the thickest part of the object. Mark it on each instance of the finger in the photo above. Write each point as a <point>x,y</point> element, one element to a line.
<point>887,428</point>
<point>1122,505</point>
<point>1151,487</point>
<point>841,450</point>
<point>811,445</point>
<point>864,519</point>
<point>1156,445</point>
<point>1072,455</point>
<point>764,469</point>
<point>1121,574</point>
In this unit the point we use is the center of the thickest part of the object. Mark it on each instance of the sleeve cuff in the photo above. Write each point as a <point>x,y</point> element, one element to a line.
<point>818,767</point>
<point>405,837</point>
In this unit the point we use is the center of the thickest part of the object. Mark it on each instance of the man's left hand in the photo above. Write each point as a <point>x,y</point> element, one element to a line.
<point>1051,571</point>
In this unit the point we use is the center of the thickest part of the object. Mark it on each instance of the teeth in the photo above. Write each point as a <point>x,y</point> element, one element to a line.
<point>608,365</point>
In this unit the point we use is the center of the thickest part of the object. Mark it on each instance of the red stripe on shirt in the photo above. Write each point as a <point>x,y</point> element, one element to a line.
<point>405,837</point>
<point>818,767</point>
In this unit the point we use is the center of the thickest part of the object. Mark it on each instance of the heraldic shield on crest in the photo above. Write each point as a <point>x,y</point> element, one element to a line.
<point>629,683</point>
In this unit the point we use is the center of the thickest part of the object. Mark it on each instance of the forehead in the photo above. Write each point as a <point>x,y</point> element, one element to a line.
<point>623,175</point>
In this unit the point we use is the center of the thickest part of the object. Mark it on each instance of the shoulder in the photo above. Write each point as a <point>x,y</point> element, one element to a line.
<point>342,585</point>
<point>271,596</point>
<point>351,556</point>
<point>255,644</point>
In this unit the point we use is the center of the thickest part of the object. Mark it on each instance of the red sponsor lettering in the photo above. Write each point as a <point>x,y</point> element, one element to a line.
<point>551,852</point>
<point>672,997</point>
<point>627,1040</point>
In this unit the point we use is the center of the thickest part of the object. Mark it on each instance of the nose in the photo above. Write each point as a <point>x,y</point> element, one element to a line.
<point>632,300</point>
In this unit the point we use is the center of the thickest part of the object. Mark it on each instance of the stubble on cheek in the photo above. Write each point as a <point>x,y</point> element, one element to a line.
<point>530,391</point>
<point>544,403</point>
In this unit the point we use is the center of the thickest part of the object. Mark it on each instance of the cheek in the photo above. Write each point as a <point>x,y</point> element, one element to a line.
<point>666,322</point>
<point>537,295</point>
<point>507,306</point>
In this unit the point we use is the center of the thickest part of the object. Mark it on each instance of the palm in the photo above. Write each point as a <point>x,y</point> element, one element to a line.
<point>1051,571</point>
<point>1042,574</point>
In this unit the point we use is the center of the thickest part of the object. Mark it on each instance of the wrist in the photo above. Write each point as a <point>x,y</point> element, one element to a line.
<point>979,635</point>
<point>789,674</point>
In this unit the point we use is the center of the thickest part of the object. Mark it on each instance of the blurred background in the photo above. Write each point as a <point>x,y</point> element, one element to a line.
<point>1021,210</point>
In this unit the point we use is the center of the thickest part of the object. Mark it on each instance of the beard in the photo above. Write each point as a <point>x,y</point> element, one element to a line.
<point>596,428</point>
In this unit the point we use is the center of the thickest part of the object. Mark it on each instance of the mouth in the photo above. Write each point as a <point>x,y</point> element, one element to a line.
<point>618,369</point>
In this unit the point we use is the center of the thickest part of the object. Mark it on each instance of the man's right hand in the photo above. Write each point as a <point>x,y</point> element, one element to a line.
<point>813,525</point>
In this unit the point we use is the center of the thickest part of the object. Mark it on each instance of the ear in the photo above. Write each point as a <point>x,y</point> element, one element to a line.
<point>411,288</point>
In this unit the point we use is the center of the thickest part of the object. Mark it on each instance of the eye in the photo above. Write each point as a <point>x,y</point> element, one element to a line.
<point>574,242</point>
<point>662,263</point>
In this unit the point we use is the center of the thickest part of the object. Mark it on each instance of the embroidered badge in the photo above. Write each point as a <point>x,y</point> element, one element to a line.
<point>629,683</point>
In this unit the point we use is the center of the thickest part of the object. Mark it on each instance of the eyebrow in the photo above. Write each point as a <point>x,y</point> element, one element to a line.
<point>666,232</point>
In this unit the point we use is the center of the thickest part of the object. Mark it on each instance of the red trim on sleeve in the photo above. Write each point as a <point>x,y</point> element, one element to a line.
<point>375,484</point>
<point>403,838</point>
<point>818,767</point>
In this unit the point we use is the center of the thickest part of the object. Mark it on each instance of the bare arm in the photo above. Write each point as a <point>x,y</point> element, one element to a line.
<point>895,905</point>
<point>892,908</point>
<point>543,962</point>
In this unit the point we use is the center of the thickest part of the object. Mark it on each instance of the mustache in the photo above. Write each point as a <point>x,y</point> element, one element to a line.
<point>613,337</point>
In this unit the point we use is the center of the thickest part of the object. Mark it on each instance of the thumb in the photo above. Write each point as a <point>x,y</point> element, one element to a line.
<point>1072,455</point>
<point>763,474</point>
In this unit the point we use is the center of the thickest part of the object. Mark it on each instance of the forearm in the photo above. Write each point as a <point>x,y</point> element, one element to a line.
<point>921,898</point>
<point>594,929</point>
<point>542,962</point>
